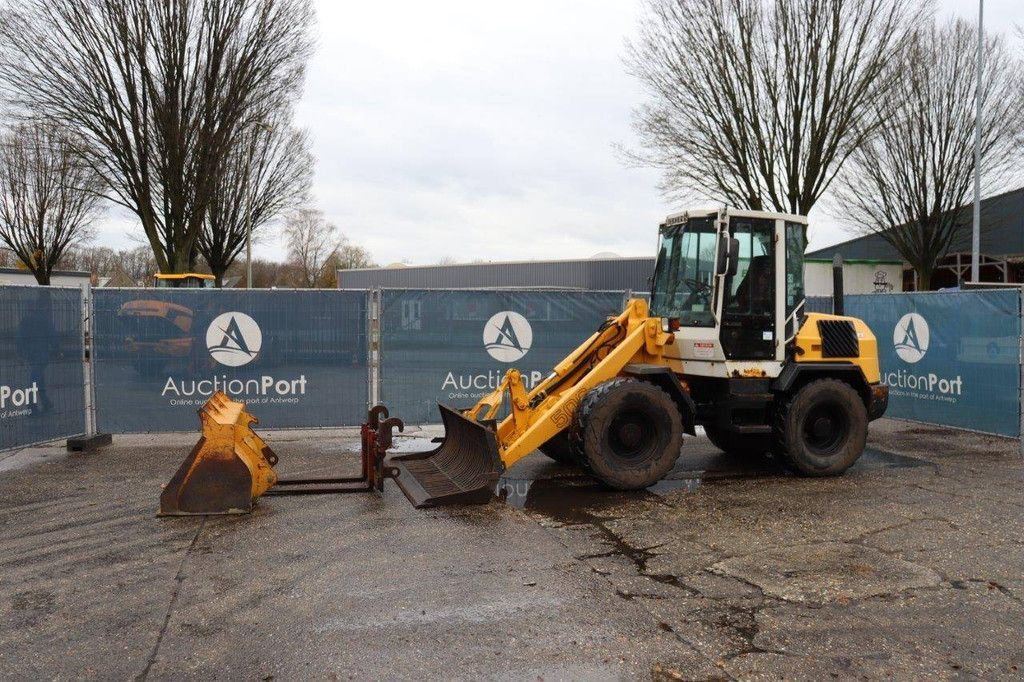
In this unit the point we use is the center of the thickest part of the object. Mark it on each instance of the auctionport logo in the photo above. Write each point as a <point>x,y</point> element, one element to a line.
<point>508,336</point>
<point>234,339</point>
<point>910,338</point>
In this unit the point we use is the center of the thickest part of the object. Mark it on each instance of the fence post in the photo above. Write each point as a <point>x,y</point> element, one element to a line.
<point>1020,368</point>
<point>373,346</point>
<point>91,439</point>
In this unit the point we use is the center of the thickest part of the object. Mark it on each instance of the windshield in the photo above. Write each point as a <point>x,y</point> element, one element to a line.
<point>684,275</point>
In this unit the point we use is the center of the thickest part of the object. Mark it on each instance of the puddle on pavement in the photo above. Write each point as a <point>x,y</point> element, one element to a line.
<point>413,443</point>
<point>873,458</point>
<point>575,498</point>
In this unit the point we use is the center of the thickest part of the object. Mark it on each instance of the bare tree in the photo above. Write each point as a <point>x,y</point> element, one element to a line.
<point>908,181</point>
<point>268,274</point>
<point>759,102</point>
<point>139,265</point>
<point>48,197</point>
<point>159,90</point>
<point>350,256</point>
<point>312,245</point>
<point>267,173</point>
<point>7,258</point>
<point>98,260</point>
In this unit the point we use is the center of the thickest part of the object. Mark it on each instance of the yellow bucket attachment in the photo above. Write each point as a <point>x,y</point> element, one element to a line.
<point>228,468</point>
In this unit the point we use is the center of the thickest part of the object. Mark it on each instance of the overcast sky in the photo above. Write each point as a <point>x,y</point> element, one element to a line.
<point>478,130</point>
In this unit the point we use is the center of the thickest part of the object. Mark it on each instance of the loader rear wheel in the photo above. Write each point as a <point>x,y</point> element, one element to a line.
<point>737,444</point>
<point>821,431</point>
<point>560,449</point>
<point>630,431</point>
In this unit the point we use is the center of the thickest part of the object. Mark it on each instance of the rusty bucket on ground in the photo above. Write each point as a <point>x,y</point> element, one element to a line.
<point>228,468</point>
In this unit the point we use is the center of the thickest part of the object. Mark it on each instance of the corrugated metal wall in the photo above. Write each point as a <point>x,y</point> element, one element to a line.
<point>601,274</point>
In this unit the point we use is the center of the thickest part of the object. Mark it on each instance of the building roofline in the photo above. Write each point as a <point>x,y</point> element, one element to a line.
<point>65,273</point>
<point>858,261</point>
<point>407,268</point>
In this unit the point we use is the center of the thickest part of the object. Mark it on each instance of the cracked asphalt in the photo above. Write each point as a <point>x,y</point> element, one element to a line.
<point>908,567</point>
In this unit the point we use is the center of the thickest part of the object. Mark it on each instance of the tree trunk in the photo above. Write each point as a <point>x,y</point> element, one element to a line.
<point>924,279</point>
<point>42,278</point>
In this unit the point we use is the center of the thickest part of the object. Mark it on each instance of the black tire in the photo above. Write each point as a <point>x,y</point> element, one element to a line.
<point>559,449</point>
<point>629,432</point>
<point>822,429</point>
<point>738,444</point>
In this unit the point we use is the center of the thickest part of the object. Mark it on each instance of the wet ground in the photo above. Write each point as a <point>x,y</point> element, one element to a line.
<point>908,567</point>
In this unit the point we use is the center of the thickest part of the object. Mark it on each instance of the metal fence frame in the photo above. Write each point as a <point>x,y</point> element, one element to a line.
<point>378,372</point>
<point>84,303</point>
<point>215,292</point>
<point>375,352</point>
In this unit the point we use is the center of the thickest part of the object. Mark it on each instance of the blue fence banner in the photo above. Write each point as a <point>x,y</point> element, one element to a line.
<point>297,358</point>
<point>42,375</point>
<point>818,304</point>
<point>949,358</point>
<point>455,346</point>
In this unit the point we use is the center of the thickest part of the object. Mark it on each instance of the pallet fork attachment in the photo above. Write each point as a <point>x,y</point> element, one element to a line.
<point>376,436</point>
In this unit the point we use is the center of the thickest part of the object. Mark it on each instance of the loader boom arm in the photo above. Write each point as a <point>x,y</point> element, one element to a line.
<point>540,414</point>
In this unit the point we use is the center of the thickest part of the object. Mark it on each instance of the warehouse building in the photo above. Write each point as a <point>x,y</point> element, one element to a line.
<point>58,278</point>
<point>1002,247</point>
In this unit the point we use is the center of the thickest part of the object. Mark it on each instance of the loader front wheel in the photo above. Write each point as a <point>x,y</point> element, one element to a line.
<point>821,431</point>
<point>630,431</point>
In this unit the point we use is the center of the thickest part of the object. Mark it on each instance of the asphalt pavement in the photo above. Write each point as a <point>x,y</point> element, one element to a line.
<point>909,566</point>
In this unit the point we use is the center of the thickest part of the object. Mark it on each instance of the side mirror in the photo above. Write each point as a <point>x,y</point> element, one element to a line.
<point>728,255</point>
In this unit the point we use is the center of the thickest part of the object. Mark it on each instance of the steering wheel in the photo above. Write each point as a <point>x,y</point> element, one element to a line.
<point>702,289</point>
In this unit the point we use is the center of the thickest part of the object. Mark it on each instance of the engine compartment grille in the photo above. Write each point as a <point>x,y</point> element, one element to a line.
<point>838,339</point>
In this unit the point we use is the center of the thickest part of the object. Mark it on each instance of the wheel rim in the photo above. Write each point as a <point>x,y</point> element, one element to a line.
<point>826,428</point>
<point>631,434</point>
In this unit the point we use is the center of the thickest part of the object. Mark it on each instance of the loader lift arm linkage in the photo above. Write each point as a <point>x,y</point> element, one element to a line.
<point>477,448</point>
<point>633,337</point>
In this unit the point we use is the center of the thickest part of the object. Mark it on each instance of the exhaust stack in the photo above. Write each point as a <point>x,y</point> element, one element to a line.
<point>837,285</point>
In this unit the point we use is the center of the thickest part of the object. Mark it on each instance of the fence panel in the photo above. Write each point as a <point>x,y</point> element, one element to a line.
<point>455,346</point>
<point>949,358</point>
<point>42,378</point>
<point>298,358</point>
<point>818,304</point>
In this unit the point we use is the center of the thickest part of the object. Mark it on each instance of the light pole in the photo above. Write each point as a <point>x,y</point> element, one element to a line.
<point>976,232</point>
<point>248,199</point>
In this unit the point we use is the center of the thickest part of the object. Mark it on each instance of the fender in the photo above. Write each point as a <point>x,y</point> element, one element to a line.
<point>665,379</point>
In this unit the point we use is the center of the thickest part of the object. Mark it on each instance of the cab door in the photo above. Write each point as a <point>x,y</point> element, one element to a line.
<point>748,308</point>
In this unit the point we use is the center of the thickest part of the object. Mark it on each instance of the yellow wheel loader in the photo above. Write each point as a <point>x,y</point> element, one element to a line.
<point>725,343</point>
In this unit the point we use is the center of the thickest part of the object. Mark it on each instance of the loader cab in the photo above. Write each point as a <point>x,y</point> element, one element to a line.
<point>734,282</point>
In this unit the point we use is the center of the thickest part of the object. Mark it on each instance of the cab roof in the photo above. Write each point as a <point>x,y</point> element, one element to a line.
<point>183,275</point>
<point>675,218</point>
